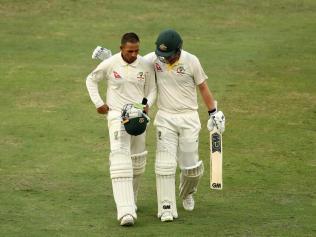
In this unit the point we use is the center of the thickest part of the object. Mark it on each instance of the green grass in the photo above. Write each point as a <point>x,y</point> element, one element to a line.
<point>260,58</point>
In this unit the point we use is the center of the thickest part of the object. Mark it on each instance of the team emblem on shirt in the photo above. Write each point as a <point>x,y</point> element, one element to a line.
<point>158,68</point>
<point>116,75</point>
<point>141,76</point>
<point>181,70</point>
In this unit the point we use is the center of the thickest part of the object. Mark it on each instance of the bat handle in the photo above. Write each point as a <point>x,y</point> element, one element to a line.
<point>144,101</point>
<point>215,104</point>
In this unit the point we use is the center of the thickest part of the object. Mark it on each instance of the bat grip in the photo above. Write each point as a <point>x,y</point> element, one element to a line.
<point>215,104</point>
<point>144,101</point>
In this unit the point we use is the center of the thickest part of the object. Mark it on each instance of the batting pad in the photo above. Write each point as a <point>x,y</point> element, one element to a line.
<point>139,164</point>
<point>124,197</point>
<point>189,179</point>
<point>121,170</point>
<point>166,196</point>
<point>120,165</point>
<point>165,169</point>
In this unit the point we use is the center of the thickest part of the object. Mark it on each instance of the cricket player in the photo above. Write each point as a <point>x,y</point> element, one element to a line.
<point>177,122</point>
<point>129,79</point>
<point>178,74</point>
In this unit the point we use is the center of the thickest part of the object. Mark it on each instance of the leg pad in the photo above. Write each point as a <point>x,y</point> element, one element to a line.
<point>190,178</point>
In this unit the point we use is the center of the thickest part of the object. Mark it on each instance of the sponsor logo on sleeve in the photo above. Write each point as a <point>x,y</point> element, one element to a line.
<point>116,75</point>
<point>158,68</point>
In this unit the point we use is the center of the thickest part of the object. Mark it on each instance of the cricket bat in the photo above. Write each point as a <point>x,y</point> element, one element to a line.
<point>216,159</point>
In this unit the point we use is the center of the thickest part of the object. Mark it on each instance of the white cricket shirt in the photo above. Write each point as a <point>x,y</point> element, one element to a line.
<point>126,83</point>
<point>176,84</point>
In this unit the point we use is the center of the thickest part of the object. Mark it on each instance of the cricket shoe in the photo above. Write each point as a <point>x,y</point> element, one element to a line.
<point>127,220</point>
<point>166,216</point>
<point>188,203</point>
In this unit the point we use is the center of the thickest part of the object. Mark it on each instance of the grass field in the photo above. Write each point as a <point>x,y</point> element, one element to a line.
<point>260,58</point>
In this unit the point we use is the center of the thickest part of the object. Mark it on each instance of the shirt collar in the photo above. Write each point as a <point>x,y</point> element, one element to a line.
<point>133,64</point>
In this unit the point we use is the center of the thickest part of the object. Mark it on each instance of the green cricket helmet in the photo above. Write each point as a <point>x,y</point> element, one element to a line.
<point>134,119</point>
<point>168,43</point>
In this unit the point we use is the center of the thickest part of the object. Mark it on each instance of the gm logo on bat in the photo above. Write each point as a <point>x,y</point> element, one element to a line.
<point>216,185</point>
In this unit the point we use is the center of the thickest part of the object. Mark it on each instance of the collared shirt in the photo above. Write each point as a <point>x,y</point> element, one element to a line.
<point>176,84</point>
<point>126,83</point>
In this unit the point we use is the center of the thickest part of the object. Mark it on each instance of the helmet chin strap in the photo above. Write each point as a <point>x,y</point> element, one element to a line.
<point>162,59</point>
<point>171,59</point>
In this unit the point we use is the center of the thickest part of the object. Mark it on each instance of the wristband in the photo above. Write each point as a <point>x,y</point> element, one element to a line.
<point>211,112</point>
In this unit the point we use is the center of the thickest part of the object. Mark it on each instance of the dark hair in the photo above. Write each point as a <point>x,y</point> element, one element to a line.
<point>129,37</point>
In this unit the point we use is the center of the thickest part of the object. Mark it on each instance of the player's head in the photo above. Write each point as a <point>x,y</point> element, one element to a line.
<point>129,47</point>
<point>168,46</point>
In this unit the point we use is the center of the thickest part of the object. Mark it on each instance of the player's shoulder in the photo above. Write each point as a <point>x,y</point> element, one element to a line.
<point>148,60</point>
<point>150,57</point>
<point>190,59</point>
<point>109,61</point>
<point>188,56</point>
<point>115,58</point>
<point>143,62</point>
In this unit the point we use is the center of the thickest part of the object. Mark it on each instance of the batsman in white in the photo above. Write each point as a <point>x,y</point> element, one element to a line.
<point>129,79</point>
<point>177,122</point>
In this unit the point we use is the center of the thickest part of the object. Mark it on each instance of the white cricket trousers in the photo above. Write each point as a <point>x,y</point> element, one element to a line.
<point>178,134</point>
<point>127,164</point>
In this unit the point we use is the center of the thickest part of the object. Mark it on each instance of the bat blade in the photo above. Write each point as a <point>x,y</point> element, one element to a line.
<point>216,155</point>
<point>216,158</point>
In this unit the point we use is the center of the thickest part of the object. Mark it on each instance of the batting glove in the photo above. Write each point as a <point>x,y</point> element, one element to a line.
<point>101,53</point>
<point>217,121</point>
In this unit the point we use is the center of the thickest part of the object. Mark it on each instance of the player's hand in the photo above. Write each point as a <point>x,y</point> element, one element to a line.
<point>104,109</point>
<point>101,53</point>
<point>216,120</point>
<point>146,109</point>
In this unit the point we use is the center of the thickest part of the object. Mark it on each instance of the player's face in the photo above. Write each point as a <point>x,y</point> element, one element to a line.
<point>130,51</point>
<point>171,59</point>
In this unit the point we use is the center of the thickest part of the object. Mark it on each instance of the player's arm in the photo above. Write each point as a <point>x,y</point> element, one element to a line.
<point>92,85</point>
<point>207,96</point>
<point>200,79</point>
<point>150,86</point>
<point>216,118</point>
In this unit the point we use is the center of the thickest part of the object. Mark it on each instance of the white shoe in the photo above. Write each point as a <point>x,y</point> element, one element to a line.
<point>166,216</point>
<point>127,220</point>
<point>188,203</point>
